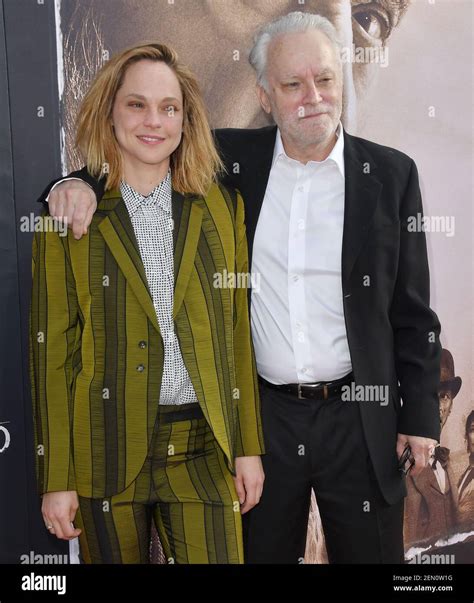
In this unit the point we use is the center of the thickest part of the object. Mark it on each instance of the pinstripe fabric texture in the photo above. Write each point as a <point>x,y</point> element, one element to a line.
<point>185,486</point>
<point>97,353</point>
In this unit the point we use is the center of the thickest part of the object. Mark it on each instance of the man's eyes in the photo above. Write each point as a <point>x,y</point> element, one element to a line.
<point>324,80</point>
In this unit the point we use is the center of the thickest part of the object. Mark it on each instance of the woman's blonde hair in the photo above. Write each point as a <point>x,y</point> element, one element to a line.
<point>194,164</point>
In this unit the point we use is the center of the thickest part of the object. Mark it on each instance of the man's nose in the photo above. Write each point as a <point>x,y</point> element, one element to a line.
<point>312,94</point>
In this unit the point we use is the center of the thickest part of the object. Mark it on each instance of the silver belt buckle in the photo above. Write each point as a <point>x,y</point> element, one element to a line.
<point>301,397</point>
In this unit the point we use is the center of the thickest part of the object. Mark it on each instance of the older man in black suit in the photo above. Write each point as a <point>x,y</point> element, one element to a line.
<point>346,344</point>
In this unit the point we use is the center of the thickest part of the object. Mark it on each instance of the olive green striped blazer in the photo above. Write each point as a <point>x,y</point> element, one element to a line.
<point>96,353</point>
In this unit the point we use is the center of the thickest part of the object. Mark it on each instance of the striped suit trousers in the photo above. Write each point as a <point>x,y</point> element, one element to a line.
<point>184,486</point>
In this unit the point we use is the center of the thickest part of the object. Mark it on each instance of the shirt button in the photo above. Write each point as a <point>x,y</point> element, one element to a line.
<point>304,370</point>
<point>300,189</point>
<point>295,277</point>
<point>301,224</point>
<point>142,345</point>
<point>140,368</point>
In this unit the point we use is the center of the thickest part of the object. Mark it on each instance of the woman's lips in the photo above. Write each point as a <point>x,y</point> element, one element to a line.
<point>151,140</point>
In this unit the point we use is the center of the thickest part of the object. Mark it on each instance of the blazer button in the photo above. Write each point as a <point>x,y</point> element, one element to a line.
<point>142,345</point>
<point>140,368</point>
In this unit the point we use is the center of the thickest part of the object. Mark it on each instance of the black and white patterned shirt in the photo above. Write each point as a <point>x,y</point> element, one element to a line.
<point>153,225</point>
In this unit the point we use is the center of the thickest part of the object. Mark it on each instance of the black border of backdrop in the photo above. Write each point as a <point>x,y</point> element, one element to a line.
<point>29,159</point>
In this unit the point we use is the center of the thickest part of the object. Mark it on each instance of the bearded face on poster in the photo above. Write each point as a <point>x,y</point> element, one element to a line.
<point>214,37</point>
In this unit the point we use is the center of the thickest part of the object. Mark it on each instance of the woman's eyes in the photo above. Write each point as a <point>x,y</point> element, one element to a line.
<point>168,108</point>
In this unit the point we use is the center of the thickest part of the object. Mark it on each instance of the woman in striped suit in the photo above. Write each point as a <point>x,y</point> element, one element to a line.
<point>144,385</point>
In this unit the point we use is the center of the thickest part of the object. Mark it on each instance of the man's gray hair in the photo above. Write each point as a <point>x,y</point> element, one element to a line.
<point>294,22</point>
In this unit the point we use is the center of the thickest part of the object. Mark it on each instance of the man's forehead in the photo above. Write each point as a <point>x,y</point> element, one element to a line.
<point>301,38</point>
<point>289,47</point>
<point>291,59</point>
<point>316,70</point>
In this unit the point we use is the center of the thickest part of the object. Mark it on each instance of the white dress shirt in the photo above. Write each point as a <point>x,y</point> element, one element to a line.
<point>298,324</point>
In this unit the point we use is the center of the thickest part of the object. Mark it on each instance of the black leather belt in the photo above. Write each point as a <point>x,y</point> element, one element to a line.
<point>180,412</point>
<point>312,391</point>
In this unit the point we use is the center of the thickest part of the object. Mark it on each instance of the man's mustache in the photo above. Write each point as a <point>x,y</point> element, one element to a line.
<point>312,112</point>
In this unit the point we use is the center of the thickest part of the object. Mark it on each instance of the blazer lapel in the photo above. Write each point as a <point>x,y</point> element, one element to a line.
<point>262,152</point>
<point>259,160</point>
<point>187,218</point>
<point>362,190</point>
<point>118,233</point>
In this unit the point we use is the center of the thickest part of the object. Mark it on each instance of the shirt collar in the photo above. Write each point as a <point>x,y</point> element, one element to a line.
<point>336,155</point>
<point>159,196</point>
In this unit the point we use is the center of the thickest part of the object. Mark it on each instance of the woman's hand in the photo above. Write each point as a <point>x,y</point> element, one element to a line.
<point>248,481</point>
<point>59,510</point>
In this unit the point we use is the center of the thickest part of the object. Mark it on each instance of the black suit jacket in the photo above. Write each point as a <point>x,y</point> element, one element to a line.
<point>393,334</point>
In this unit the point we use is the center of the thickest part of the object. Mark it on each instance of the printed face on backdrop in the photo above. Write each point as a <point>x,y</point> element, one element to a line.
<point>214,38</point>
<point>470,437</point>
<point>304,88</point>
<point>148,116</point>
<point>445,405</point>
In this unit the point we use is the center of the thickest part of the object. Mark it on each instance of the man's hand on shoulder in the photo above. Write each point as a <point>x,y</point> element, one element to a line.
<point>74,202</point>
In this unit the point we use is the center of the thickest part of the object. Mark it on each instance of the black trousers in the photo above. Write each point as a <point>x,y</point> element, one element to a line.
<point>319,445</point>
